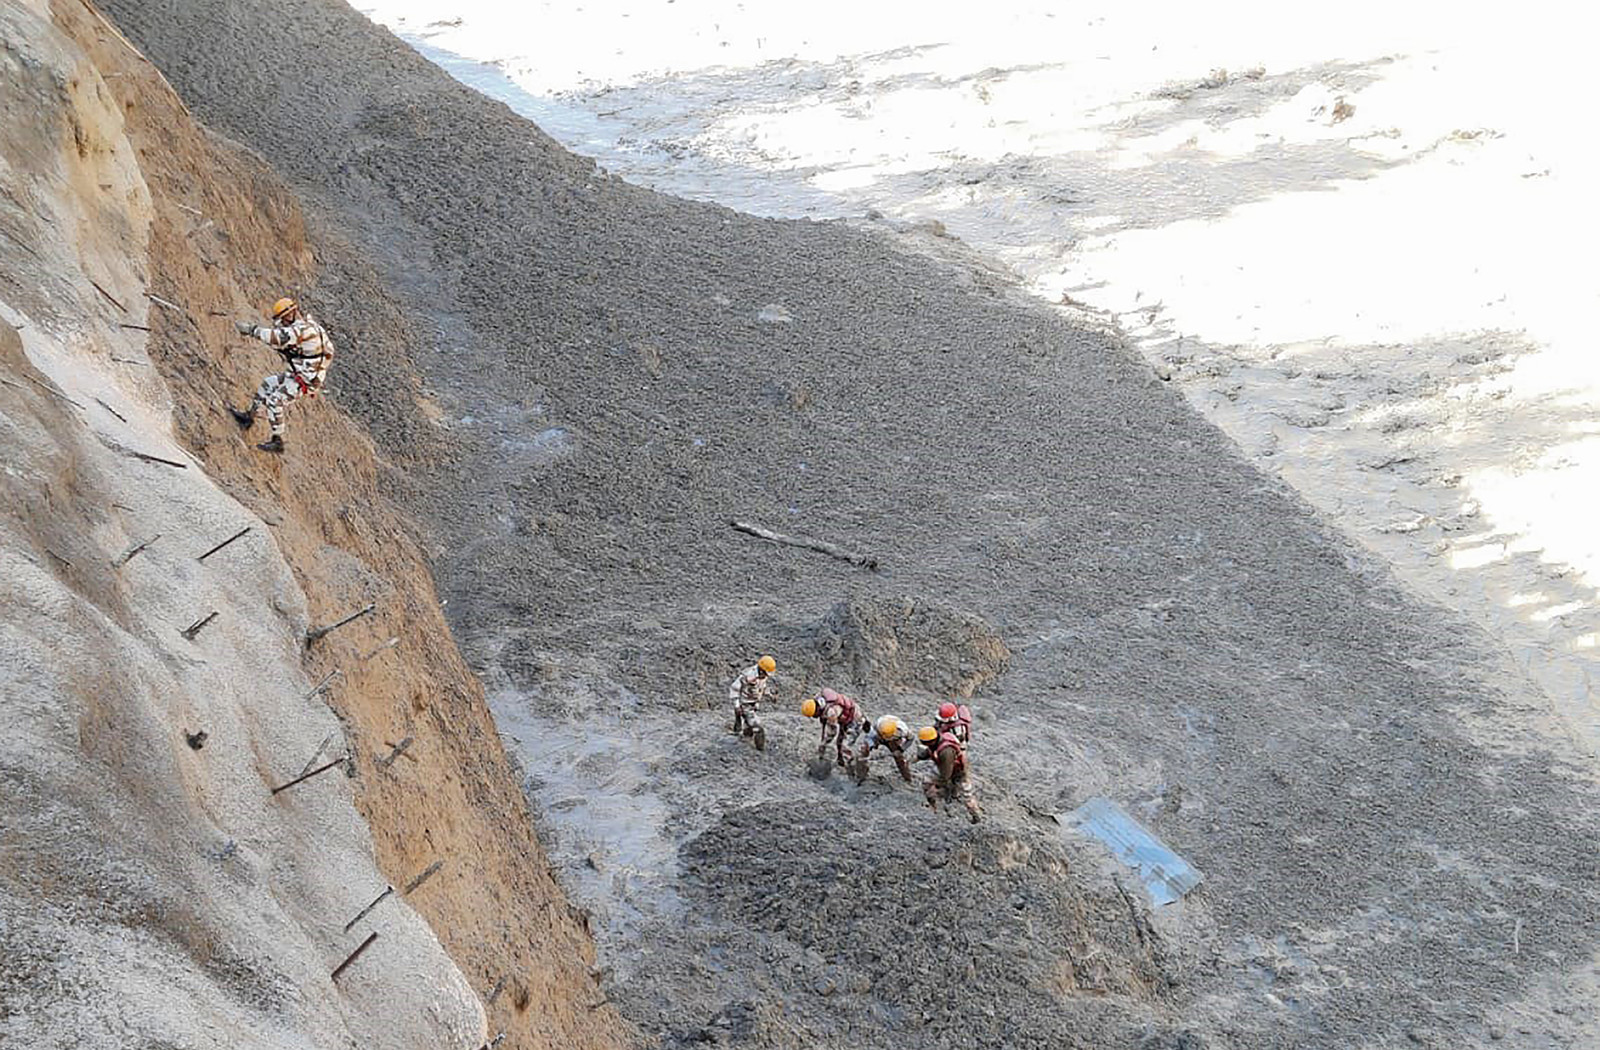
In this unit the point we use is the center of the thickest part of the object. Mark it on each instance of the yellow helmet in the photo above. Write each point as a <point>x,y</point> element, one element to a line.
<point>927,734</point>
<point>809,708</point>
<point>767,664</point>
<point>888,726</point>
<point>284,306</point>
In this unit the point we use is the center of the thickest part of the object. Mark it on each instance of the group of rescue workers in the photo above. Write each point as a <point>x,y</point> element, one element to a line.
<point>855,737</point>
<point>307,351</point>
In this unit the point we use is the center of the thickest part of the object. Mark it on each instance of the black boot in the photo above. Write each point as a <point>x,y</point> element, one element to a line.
<point>274,445</point>
<point>245,419</point>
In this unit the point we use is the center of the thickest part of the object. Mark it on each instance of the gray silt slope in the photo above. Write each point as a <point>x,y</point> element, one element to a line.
<point>1176,619</point>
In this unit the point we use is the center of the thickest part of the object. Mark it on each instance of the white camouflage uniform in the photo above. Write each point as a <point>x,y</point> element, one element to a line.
<point>747,690</point>
<point>306,348</point>
<point>897,745</point>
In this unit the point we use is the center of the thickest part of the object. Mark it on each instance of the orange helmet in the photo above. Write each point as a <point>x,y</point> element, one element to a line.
<point>284,309</point>
<point>927,734</point>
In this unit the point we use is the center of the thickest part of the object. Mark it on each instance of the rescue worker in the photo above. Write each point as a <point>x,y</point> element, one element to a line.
<point>952,779</point>
<point>841,722</point>
<point>955,719</point>
<point>745,693</point>
<point>894,736</point>
<point>305,348</point>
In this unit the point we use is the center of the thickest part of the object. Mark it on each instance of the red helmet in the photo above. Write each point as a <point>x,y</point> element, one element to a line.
<point>947,711</point>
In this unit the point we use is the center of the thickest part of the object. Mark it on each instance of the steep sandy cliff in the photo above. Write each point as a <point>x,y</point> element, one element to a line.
<point>573,384</point>
<point>153,891</point>
<point>617,373</point>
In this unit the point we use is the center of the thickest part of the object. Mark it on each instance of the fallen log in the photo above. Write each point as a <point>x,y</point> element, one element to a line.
<point>865,561</point>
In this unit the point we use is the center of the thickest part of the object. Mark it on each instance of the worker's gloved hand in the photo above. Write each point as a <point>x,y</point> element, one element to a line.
<point>245,327</point>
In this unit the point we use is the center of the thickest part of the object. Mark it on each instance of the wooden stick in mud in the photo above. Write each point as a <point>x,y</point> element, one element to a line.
<point>109,297</point>
<point>224,543</point>
<point>320,686</point>
<point>362,914</point>
<point>353,956</point>
<point>427,873</point>
<point>321,632</point>
<point>396,750</point>
<point>865,561</point>
<point>307,776</point>
<point>199,625</point>
<point>316,756</point>
<point>128,554</point>
<point>156,459</point>
<point>52,392</point>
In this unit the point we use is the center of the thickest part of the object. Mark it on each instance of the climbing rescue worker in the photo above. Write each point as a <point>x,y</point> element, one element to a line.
<point>745,693</point>
<point>952,779</point>
<point>894,736</point>
<point>955,719</point>
<point>305,348</point>
<point>841,722</point>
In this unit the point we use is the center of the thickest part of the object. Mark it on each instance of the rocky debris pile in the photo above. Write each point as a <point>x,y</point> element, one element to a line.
<point>890,933</point>
<point>911,645</point>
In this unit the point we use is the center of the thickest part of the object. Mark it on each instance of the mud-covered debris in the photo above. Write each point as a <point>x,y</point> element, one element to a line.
<point>909,644</point>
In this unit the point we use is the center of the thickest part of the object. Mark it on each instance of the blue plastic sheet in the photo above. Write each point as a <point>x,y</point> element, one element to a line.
<point>1166,876</point>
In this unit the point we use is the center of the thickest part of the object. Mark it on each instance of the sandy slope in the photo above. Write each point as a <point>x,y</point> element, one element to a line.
<point>1374,801</point>
<point>152,893</point>
<point>157,895</point>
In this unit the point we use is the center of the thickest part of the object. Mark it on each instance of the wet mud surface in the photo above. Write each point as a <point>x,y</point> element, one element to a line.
<point>1393,846</point>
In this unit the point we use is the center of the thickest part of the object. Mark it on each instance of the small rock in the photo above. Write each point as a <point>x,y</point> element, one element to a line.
<point>1497,1033</point>
<point>774,313</point>
<point>824,985</point>
<point>197,740</point>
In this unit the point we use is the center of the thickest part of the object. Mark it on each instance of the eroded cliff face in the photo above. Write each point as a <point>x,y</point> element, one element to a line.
<point>153,890</point>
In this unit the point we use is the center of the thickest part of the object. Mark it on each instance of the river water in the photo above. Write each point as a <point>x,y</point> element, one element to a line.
<point>1355,238</point>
